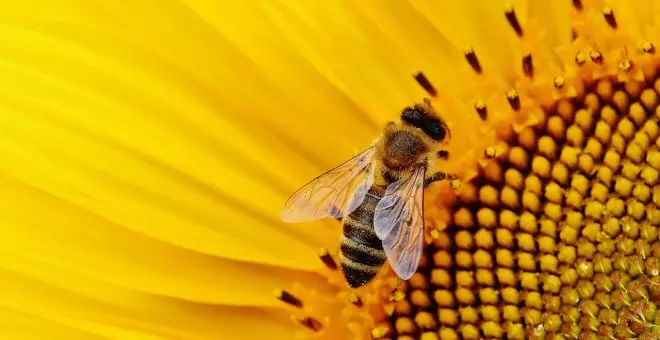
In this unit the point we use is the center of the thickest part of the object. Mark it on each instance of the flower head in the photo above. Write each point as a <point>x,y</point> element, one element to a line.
<point>554,220</point>
<point>148,147</point>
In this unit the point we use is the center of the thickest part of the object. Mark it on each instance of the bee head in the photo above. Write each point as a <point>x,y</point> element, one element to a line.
<point>424,118</point>
<point>402,148</point>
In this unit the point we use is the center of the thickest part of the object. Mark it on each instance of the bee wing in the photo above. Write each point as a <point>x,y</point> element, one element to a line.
<point>399,223</point>
<point>336,193</point>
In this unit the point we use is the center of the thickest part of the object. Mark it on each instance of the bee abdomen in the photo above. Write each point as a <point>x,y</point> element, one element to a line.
<point>357,274</point>
<point>361,232</point>
<point>362,254</point>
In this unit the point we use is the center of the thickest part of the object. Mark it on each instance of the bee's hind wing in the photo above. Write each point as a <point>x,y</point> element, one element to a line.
<point>336,193</point>
<point>399,223</point>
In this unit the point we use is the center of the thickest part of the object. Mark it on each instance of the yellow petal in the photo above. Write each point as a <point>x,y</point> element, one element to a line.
<point>18,325</point>
<point>59,242</point>
<point>480,24</point>
<point>380,80</point>
<point>121,314</point>
<point>420,45</point>
<point>151,134</point>
<point>554,18</point>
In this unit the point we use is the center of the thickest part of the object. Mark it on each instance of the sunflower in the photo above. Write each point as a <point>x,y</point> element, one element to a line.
<point>147,148</point>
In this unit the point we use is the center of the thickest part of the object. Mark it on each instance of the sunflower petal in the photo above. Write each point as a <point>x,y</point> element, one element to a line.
<point>479,24</point>
<point>157,123</point>
<point>19,325</point>
<point>105,312</point>
<point>383,82</point>
<point>67,243</point>
<point>554,18</point>
<point>420,45</point>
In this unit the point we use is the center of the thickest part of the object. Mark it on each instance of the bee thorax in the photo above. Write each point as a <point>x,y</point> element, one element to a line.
<point>402,149</point>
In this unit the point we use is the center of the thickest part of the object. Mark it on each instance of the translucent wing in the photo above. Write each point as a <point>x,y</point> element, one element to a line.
<point>399,223</point>
<point>336,193</point>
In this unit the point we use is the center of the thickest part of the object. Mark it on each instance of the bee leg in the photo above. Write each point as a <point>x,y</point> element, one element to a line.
<point>389,177</point>
<point>354,298</point>
<point>399,282</point>
<point>443,154</point>
<point>438,176</point>
<point>397,294</point>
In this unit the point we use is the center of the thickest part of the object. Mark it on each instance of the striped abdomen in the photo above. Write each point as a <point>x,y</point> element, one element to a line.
<point>362,254</point>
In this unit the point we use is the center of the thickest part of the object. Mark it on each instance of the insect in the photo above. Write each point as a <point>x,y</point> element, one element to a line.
<point>378,196</point>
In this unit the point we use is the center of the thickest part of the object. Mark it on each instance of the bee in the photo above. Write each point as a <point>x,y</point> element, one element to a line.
<point>378,196</point>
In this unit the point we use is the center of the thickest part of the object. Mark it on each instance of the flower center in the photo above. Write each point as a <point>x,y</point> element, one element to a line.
<point>556,236</point>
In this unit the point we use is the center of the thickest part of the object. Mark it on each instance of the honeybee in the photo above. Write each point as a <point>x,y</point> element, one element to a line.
<point>378,196</point>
